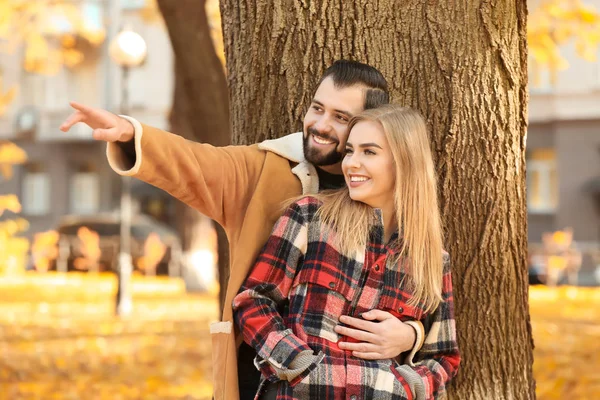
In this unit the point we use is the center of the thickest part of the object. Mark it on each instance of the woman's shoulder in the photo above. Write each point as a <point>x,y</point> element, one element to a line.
<point>308,201</point>
<point>306,206</point>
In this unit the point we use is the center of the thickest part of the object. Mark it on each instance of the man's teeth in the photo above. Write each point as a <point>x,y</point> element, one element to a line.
<point>322,141</point>
<point>358,178</point>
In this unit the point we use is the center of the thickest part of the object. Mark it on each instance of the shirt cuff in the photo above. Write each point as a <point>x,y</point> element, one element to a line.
<point>286,355</point>
<point>118,160</point>
<point>420,332</point>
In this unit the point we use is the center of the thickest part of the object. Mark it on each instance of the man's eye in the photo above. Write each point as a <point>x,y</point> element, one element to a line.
<point>342,118</point>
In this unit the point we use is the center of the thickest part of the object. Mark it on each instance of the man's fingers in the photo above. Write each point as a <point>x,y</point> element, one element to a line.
<point>377,315</point>
<point>363,347</point>
<point>357,334</point>
<point>81,107</point>
<point>107,135</point>
<point>359,323</point>
<point>368,355</point>
<point>74,118</point>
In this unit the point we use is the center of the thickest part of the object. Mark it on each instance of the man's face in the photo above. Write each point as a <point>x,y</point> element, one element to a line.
<point>326,123</point>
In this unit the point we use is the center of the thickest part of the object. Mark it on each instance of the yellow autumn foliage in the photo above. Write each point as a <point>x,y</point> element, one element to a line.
<point>13,249</point>
<point>6,97</point>
<point>154,251</point>
<point>554,23</point>
<point>59,339</point>
<point>90,249</point>
<point>10,155</point>
<point>566,327</point>
<point>39,27</point>
<point>44,249</point>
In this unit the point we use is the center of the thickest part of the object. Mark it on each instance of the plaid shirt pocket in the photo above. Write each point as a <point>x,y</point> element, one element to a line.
<point>318,298</point>
<point>396,295</point>
<point>396,304</point>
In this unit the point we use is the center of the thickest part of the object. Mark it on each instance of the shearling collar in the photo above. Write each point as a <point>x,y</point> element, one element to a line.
<point>290,147</point>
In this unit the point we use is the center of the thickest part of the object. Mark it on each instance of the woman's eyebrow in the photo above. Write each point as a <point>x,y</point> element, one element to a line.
<point>365,145</point>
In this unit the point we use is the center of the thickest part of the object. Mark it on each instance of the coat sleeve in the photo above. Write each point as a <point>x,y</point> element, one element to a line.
<point>436,363</point>
<point>214,180</point>
<point>280,353</point>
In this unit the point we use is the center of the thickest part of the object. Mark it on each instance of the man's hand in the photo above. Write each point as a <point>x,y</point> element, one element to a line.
<point>106,125</point>
<point>378,340</point>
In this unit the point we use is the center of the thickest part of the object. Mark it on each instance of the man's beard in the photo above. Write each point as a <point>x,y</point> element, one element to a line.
<point>314,156</point>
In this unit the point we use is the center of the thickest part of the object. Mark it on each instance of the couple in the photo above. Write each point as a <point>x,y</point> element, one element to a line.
<point>351,296</point>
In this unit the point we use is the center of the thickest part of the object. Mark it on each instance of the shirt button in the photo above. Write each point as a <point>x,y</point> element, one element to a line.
<point>377,268</point>
<point>400,310</point>
<point>353,397</point>
<point>332,285</point>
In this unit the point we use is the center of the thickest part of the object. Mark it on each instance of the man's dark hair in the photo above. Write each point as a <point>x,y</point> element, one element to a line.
<point>347,73</point>
<point>376,98</point>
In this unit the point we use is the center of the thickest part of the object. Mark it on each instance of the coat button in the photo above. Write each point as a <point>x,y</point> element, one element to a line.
<point>376,267</point>
<point>400,310</point>
<point>353,397</point>
<point>332,285</point>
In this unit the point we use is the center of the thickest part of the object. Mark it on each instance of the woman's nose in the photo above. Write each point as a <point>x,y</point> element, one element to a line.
<point>352,160</point>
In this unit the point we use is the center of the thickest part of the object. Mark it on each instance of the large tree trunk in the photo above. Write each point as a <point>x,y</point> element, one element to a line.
<point>463,65</point>
<point>200,105</point>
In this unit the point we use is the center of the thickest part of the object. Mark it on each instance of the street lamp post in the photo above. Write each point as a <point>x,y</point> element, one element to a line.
<point>128,49</point>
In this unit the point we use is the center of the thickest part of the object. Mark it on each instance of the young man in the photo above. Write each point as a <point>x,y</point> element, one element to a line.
<point>243,188</point>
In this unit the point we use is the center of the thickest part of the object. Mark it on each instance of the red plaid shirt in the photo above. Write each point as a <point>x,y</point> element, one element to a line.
<point>300,286</point>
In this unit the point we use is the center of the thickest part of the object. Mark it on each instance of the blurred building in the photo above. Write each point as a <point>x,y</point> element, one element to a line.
<point>67,173</point>
<point>563,154</point>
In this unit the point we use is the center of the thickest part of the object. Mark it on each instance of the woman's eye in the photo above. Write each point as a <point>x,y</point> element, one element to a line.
<point>348,151</point>
<point>316,108</point>
<point>369,152</point>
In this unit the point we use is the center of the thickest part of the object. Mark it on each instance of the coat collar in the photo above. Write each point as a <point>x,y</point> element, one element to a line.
<point>290,147</point>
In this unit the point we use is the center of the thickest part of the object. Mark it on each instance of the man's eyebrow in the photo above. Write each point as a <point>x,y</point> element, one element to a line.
<point>346,113</point>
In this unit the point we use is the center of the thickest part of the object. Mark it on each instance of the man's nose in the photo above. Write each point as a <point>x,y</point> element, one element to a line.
<point>323,125</point>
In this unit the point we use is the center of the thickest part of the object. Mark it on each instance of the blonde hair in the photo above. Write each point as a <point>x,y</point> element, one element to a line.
<point>415,197</point>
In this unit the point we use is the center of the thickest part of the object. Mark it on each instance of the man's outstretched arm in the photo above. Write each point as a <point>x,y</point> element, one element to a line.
<point>213,180</point>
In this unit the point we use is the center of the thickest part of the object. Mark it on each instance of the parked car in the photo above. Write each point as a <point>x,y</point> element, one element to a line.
<point>108,226</point>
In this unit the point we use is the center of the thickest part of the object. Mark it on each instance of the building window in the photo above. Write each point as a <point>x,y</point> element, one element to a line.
<point>542,181</point>
<point>36,190</point>
<point>85,191</point>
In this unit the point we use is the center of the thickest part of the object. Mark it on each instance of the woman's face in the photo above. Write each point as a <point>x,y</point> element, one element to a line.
<point>369,166</point>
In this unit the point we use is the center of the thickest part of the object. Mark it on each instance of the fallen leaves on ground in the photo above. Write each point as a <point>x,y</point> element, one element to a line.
<point>58,346</point>
<point>60,340</point>
<point>566,333</point>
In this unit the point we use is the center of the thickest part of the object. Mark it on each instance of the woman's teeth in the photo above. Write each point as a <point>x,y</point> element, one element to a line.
<point>358,178</point>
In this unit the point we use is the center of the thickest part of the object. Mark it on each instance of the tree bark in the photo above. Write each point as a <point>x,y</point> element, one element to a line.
<point>464,66</point>
<point>200,109</point>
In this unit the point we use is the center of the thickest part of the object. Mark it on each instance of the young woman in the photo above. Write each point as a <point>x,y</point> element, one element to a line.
<point>376,244</point>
